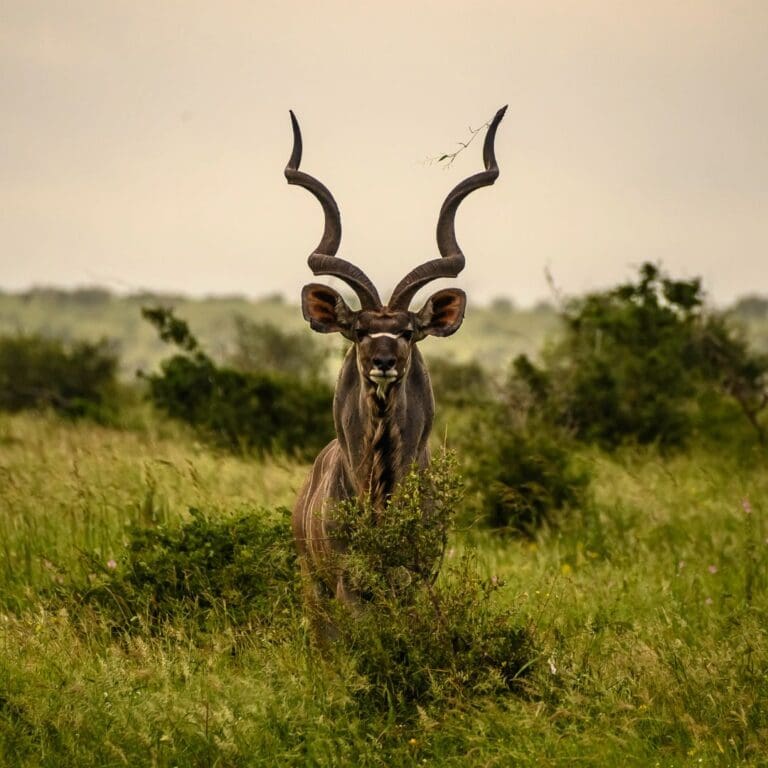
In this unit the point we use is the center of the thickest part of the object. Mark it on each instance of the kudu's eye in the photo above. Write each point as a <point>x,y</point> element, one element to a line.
<point>360,333</point>
<point>407,335</point>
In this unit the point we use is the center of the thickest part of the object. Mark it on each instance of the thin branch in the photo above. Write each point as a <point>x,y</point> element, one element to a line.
<point>557,295</point>
<point>447,158</point>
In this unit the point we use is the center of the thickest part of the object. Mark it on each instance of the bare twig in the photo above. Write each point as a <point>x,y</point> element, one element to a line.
<point>447,158</point>
<point>557,295</point>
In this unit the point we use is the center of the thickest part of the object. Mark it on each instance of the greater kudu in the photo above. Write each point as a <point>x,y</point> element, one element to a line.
<point>383,406</point>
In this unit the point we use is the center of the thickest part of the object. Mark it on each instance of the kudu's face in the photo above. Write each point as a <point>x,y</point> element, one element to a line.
<point>383,338</point>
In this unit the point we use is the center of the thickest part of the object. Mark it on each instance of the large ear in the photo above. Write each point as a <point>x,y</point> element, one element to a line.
<point>325,310</point>
<point>443,313</point>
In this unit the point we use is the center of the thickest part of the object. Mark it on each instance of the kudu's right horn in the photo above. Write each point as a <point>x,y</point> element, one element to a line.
<point>452,259</point>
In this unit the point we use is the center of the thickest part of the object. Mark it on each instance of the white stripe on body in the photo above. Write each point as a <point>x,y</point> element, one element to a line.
<point>314,510</point>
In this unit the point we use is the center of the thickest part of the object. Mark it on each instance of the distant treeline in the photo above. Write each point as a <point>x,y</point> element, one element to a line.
<point>94,295</point>
<point>493,334</point>
<point>751,305</point>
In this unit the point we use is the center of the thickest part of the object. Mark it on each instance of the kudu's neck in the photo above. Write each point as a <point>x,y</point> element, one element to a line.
<point>382,436</point>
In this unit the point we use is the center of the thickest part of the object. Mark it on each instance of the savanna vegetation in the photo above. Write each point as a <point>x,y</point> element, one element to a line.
<point>259,409</point>
<point>222,325</point>
<point>589,587</point>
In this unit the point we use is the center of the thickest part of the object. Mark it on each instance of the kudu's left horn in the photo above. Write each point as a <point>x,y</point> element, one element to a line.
<point>323,260</point>
<point>452,259</point>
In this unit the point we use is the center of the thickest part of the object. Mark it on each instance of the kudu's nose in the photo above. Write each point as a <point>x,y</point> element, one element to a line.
<point>384,362</point>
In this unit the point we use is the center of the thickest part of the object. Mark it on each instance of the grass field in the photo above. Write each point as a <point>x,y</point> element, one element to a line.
<point>648,611</point>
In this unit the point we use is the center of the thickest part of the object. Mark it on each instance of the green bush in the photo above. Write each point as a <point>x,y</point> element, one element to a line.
<point>728,363</point>
<point>260,411</point>
<point>265,348</point>
<point>521,471</point>
<point>416,637</point>
<point>459,384</point>
<point>231,572</point>
<point>401,547</point>
<point>529,478</point>
<point>635,361</point>
<point>75,380</point>
<point>446,641</point>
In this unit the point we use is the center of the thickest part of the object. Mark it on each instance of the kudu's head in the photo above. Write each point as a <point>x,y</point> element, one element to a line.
<point>384,335</point>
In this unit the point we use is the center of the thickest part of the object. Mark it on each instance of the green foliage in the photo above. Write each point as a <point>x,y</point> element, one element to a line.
<point>522,473</point>
<point>417,638</point>
<point>728,363</point>
<point>529,477</point>
<point>752,306</point>
<point>239,411</point>
<point>459,384</point>
<point>75,380</point>
<point>635,360</point>
<point>446,642</point>
<point>400,547</point>
<point>264,347</point>
<point>171,329</point>
<point>235,571</point>
<point>260,411</point>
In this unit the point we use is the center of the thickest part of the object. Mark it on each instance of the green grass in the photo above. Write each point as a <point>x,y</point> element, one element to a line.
<point>68,488</point>
<point>649,612</point>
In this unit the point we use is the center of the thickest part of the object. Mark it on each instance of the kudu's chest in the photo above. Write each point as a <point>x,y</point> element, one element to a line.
<point>382,437</point>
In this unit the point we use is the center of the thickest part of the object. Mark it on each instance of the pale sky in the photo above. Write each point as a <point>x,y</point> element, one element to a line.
<point>142,144</point>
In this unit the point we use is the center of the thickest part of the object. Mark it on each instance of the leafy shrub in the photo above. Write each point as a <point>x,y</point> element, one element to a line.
<point>416,637</point>
<point>263,347</point>
<point>236,570</point>
<point>528,478</point>
<point>74,379</point>
<point>401,547</point>
<point>459,384</point>
<point>734,370</point>
<point>439,642</point>
<point>262,412</point>
<point>521,471</point>
<point>635,360</point>
<point>235,409</point>
<point>752,307</point>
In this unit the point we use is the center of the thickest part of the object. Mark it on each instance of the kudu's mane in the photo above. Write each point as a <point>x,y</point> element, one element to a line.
<point>384,447</point>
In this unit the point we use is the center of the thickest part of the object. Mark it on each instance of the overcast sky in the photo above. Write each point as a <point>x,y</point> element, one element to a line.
<point>142,144</point>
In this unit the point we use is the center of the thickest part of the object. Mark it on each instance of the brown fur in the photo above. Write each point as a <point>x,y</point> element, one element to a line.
<point>379,439</point>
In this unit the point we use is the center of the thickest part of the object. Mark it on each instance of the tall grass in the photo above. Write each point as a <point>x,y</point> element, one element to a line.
<point>648,609</point>
<point>66,490</point>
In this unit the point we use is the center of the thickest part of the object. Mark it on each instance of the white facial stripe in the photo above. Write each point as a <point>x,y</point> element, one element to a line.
<point>388,335</point>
